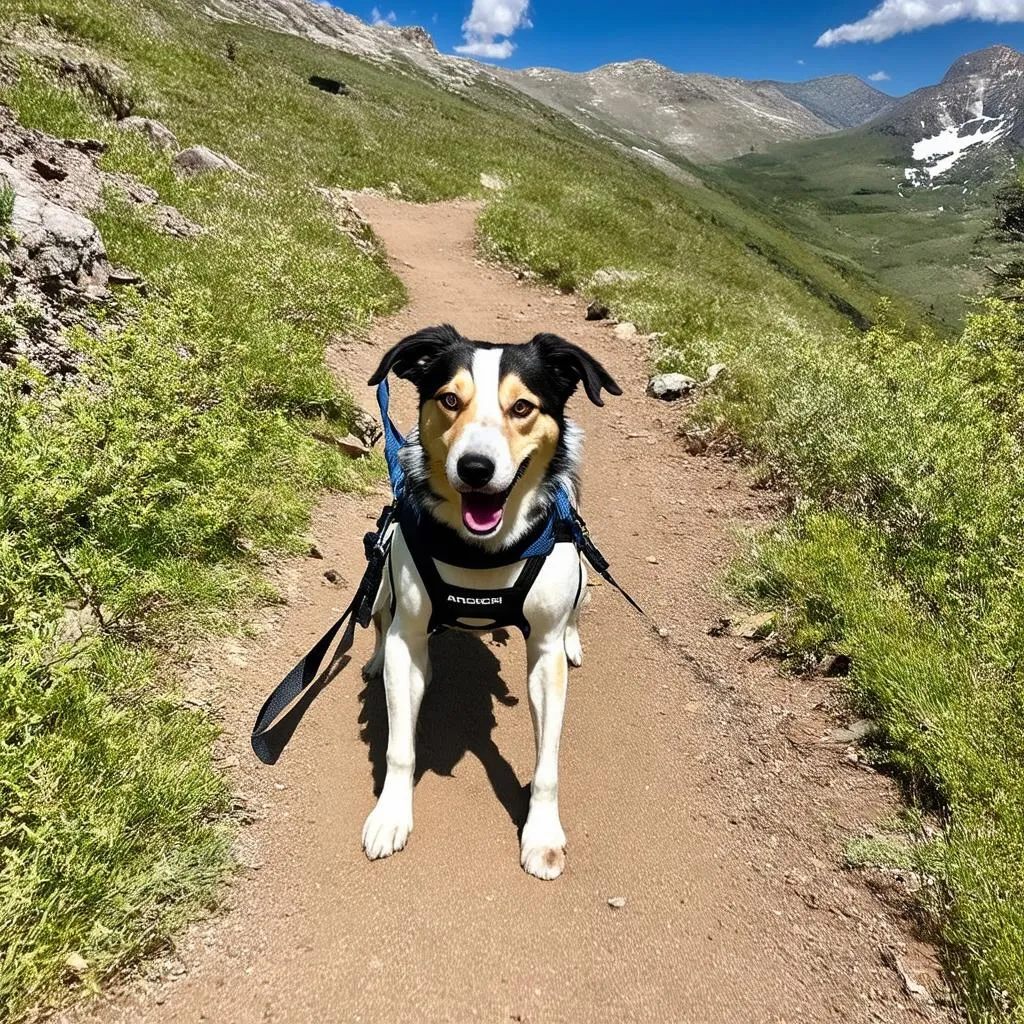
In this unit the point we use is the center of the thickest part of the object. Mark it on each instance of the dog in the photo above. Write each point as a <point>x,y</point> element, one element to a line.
<point>491,451</point>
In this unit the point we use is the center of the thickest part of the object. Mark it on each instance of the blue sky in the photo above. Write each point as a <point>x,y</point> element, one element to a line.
<point>729,37</point>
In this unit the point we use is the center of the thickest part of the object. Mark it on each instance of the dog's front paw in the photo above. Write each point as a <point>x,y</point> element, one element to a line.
<point>387,828</point>
<point>542,851</point>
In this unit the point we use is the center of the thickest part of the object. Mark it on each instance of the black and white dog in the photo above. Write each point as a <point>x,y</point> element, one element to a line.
<point>492,448</point>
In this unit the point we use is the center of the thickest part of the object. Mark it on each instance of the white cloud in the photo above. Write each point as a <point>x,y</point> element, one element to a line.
<point>377,17</point>
<point>801,62</point>
<point>489,19</point>
<point>879,76</point>
<point>894,17</point>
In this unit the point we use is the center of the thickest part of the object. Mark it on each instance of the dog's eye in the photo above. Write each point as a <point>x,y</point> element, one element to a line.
<point>522,408</point>
<point>449,400</point>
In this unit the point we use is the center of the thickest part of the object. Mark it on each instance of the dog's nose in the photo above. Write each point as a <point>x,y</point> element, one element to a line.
<point>475,470</point>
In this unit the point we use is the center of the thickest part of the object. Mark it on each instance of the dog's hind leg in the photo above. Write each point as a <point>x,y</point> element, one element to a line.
<point>573,644</point>
<point>374,668</point>
<point>405,674</point>
<point>542,848</point>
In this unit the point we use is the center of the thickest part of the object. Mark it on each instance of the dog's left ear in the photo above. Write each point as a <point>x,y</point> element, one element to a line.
<point>412,356</point>
<point>571,365</point>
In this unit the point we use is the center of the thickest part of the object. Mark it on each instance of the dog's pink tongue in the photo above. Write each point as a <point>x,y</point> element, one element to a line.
<point>482,512</point>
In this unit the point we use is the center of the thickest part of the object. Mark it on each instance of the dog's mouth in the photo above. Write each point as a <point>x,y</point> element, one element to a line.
<point>482,513</point>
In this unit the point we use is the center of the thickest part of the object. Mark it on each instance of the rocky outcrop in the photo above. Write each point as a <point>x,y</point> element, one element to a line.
<point>51,247</point>
<point>53,265</point>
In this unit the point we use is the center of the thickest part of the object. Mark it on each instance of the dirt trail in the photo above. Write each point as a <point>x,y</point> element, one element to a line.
<point>693,779</point>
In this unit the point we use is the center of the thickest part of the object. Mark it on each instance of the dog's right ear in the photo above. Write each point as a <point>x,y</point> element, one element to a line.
<point>412,356</point>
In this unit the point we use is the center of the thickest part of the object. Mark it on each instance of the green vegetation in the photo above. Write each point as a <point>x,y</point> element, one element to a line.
<point>129,497</point>
<point>906,552</point>
<point>902,452</point>
<point>846,197</point>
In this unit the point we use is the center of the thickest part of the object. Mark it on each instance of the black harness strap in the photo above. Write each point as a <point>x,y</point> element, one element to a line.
<point>284,708</point>
<point>452,605</point>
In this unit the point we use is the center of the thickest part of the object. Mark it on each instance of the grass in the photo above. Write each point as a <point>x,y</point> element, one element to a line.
<point>130,497</point>
<point>845,195</point>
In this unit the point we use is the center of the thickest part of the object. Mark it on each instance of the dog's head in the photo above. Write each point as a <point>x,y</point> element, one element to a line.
<point>492,427</point>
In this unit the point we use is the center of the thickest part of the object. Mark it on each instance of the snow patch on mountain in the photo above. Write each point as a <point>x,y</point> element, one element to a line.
<point>941,152</point>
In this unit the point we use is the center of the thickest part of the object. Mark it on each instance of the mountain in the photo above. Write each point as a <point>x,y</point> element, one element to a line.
<point>976,105</point>
<point>701,117</point>
<point>842,101</point>
<point>639,104</point>
<point>331,26</point>
<point>909,199</point>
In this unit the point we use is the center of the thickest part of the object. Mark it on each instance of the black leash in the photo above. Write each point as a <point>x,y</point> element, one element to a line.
<point>272,730</point>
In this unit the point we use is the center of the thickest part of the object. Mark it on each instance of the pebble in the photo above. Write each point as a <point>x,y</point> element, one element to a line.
<point>618,902</point>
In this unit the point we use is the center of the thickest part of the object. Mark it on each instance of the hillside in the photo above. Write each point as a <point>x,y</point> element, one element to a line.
<point>700,117</point>
<point>842,101</point>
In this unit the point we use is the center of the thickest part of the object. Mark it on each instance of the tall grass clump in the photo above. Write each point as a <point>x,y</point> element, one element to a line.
<point>906,551</point>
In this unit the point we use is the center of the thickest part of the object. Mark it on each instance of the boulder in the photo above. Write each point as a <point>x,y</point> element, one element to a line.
<point>330,85</point>
<point>54,247</point>
<point>625,331</point>
<point>160,136</point>
<point>200,160</point>
<point>670,386</point>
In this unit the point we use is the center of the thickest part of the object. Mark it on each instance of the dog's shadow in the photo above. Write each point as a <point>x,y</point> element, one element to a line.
<point>456,718</point>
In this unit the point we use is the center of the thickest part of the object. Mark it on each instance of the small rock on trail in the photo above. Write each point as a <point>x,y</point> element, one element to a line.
<point>670,386</point>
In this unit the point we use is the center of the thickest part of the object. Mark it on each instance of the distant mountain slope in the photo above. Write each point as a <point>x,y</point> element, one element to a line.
<point>977,104</point>
<point>640,104</point>
<point>843,101</point>
<point>908,198</point>
<point>330,26</point>
<point>702,117</point>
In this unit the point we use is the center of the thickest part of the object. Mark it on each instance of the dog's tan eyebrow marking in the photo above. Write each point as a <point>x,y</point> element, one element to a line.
<point>512,389</point>
<point>461,384</point>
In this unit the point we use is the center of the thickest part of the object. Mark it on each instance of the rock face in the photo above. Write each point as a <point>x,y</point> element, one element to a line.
<point>159,135</point>
<point>986,85</point>
<point>54,248</point>
<point>200,160</point>
<point>53,265</point>
<point>952,128</point>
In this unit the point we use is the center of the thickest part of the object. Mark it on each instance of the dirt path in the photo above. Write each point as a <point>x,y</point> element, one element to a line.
<point>693,780</point>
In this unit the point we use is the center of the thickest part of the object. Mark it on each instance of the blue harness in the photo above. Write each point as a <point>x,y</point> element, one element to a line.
<point>451,606</point>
